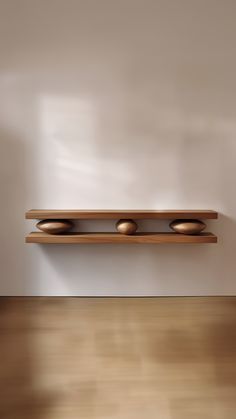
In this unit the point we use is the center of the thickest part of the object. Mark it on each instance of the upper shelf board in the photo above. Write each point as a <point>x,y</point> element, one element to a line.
<point>37,214</point>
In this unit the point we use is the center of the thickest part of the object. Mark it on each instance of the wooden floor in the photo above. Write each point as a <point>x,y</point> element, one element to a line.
<point>130,358</point>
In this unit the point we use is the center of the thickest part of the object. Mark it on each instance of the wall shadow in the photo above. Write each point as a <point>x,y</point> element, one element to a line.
<point>165,165</point>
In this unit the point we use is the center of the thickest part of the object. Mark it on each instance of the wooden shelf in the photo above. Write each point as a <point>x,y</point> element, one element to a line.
<point>117,214</point>
<point>146,238</point>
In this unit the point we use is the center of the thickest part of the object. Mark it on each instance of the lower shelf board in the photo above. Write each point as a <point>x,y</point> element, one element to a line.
<point>146,238</point>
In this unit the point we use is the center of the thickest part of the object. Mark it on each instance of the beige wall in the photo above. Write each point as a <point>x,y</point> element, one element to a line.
<point>117,104</point>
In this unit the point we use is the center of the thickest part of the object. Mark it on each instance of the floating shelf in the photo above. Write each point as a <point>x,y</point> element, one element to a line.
<point>139,238</point>
<point>58,222</point>
<point>36,214</point>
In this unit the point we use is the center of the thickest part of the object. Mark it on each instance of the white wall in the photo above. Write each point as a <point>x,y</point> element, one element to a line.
<point>117,104</point>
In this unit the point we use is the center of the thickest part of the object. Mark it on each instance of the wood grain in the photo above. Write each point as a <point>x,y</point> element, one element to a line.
<point>109,238</point>
<point>54,226</point>
<point>117,214</point>
<point>126,226</point>
<point>119,358</point>
<point>187,226</point>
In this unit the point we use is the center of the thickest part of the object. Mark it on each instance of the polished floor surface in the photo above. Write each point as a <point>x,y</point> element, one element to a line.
<point>118,358</point>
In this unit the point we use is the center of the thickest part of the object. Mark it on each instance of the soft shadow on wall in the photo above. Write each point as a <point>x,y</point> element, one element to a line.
<point>141,269</point>
<point>15,267</point>
<point>201,169</point>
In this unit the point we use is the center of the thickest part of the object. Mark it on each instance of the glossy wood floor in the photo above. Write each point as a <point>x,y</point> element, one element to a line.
<point>131,358</point>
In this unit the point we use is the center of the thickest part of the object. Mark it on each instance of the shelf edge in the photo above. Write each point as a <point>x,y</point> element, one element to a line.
<point>116,238</point>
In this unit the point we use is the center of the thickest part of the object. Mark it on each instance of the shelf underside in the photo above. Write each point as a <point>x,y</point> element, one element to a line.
<point>116,214</point>
<point>146,238</point>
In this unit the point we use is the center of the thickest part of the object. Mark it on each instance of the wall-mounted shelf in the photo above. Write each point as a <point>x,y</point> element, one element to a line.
<point>56,223</point>
<point>106,238</point>
<point>36,214</point>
